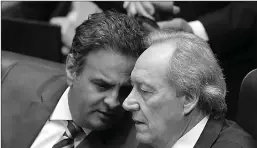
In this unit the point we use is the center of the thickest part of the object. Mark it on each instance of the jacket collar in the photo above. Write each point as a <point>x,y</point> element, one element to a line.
<point>210,133</point>
<point>208,136</point>
<point>119,135</point>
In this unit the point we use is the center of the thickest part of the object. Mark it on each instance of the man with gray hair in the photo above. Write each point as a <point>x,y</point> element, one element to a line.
<point>178,96</point>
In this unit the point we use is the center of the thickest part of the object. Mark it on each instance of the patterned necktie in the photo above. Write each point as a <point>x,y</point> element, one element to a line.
<point>67,140</point>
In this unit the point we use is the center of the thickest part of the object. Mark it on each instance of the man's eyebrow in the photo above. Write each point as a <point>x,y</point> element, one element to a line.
<point>128,82</point>
<point>106,82</point>
<point>102,81</point>
<point>138,80</point>
<point>130,79</point>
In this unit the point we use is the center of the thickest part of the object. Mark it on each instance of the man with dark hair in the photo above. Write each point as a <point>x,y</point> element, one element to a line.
<point>41,110</point>
<point>178,96</point>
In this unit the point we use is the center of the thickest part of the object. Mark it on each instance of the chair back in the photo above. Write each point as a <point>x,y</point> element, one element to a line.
<point>247,104</point>
<point>32,38</point>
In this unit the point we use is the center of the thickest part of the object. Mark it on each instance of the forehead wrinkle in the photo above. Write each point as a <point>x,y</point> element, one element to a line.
<point>138,75</point>
<point>152,66</point>
<point>142,76</point>
<point>98,74</point>
<point>115,71</point>
<point>123,77</point>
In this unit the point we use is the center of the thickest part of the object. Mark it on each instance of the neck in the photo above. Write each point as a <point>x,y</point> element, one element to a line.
<point>189,121</point>
<point>193,119</point>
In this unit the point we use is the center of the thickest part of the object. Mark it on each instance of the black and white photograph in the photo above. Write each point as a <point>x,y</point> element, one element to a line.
<point>128,74</point>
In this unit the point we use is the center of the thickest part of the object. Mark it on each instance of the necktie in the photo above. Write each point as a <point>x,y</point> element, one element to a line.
<point>67,140</point>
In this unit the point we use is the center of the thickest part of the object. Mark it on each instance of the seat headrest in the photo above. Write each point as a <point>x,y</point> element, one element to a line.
<point>10,58</point>
<point>247,104</point>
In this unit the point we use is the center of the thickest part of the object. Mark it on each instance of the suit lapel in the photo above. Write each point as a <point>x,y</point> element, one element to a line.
<point>97,139</point>
<point>92,140</point>
<point>120,135</point>
<point>39,111</point>
<point>210,133</point>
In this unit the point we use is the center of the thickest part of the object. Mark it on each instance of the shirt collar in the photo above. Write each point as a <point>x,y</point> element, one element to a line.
<point>62,110</point>
<point>190,138</point>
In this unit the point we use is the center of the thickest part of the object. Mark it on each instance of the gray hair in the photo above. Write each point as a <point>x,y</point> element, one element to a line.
<point>194,70</point>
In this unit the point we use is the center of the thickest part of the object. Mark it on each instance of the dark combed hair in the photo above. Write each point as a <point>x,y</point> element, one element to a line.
<point>194,70</point>
<point>108,30</point>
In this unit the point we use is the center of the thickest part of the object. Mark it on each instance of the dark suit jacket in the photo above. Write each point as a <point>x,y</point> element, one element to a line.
<point>232,31</point>
<point>224,134</point>
<point>221,134</point>
<point>30,92</point>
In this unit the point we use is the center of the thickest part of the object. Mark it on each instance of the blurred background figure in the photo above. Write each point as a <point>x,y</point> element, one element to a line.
<point>65,15</point>
<point>49,25</point>
<point>229,27</point>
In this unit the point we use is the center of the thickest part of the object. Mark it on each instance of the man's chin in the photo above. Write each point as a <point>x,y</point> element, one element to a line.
<point>100,125</point>
<point>144,138</point>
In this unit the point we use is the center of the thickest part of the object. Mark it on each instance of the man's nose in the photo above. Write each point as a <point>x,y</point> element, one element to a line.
<point>130,103</point>
<point>112,99</point>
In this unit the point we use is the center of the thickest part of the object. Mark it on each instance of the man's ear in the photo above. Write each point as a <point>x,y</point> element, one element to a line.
<point>189,103</point>
<point>70,69</point>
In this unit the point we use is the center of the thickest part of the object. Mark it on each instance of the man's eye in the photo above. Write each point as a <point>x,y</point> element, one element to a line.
<point>144,90</point>
<point>102,87</point>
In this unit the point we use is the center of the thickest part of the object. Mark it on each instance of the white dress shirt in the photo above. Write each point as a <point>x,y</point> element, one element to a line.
<point>199,30</point>
<point>56,125</point>
<point>190,138</point>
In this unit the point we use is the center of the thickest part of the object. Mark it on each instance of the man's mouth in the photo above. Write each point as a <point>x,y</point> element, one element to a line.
<point>107,114</point>
<point>138,122</point>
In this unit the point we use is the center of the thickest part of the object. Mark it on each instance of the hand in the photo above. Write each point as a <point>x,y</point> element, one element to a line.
<point>148,9</point>
<point>176,24</point>
<point>67,32</point>
<point>80,11</point>
<point>136,7</point>
<point>167,6</point>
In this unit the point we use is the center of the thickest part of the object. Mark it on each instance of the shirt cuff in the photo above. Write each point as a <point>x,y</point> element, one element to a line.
<point>199,30</point>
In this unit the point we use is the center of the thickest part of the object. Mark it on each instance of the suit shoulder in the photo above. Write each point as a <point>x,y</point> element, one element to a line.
<point>26,77</point>
<point>233,136</point>
<point>21,71</point>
